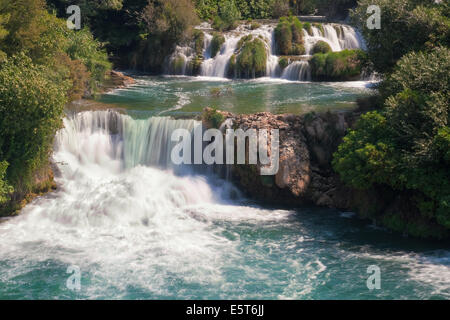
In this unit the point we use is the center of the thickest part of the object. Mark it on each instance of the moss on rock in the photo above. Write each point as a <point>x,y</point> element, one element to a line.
<point>251,61</point>
<point>216,43</point>
<point>289,36</point>
<point>337,66</point>
<point>321,47</point>
<point>199,40</point>
<point>283,62</point>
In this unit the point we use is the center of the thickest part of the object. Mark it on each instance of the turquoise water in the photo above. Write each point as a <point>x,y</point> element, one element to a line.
<point>137,230</point>
<point>307,253</point>
<point>189,95</point>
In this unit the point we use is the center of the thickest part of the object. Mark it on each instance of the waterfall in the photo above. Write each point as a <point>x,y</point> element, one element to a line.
<point>117,141</point>
<point>338,36</point>
<point>297,71</point>
<point>217,66</point>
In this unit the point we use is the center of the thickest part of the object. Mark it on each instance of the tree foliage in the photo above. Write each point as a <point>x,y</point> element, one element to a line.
<point>31,105</point>
<point>406,25</point>
<point>405,146</point>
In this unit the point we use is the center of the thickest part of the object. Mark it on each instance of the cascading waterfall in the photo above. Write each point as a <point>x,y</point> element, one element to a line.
<point>338,36</point>
<point>297,71</point>
<point>217,66</point>
<point>118,141</point>
<point>135,230</point>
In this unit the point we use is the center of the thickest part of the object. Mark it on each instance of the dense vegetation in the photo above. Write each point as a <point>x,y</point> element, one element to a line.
<point>44,65</point>
<point>403,148</point>
<point>140,34</point>
<point>337,66</point>
<point>250,58</point>
<point>289,36</point>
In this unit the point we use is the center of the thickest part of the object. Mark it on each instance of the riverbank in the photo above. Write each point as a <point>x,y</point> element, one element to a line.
<point>43,178</point>
<point>306,176</point>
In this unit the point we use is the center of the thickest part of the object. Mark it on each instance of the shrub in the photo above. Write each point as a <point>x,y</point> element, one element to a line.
<point>337,66</point>
<point>321,47</point>
<point>255,25</point>
<point>199,40</point>
<point>283,37</point>
<point>289,36</point>
<point>319,26</point>
<point>297,30</point>
<point>252,59</point>
<point>5,188</point>
<point>283,62</point>
<point>409,26</point>
<point>308,28</point>
<point>84,47</point>
<point>216,43</point>
<point>366,156</point>
<point>32,107</point>
<point>212,117</point>
<point>298,50</point>
<point>405,146</point>
<point>420,71</point>
<point>232,67</point>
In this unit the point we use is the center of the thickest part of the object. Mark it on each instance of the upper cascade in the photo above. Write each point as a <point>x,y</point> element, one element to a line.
<point>252,52</point>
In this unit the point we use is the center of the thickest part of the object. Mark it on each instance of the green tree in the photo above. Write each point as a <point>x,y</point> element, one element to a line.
<point>406,145</point>
<point>31,105</point>
<point>405,26</point>
<point>5,188</point>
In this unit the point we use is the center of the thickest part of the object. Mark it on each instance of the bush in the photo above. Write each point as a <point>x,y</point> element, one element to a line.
<point>320,27</point>
<point>216,43</point>
<point>406,26</point>
<point>228,15</point>
<point>298,50</point>
<point>255,25</point>
<point>420,71</point>
<point>366,156</point>
<point>337,66</point>
<point>321,47</point>
<point>251,61</point>
<point>212,118</point>
<point>84,47</point>
<point>406,145</point>
<point>283,62</point>
<point>5,188</point>
<point>199,41</point>
<point>308,28</point>
<point>289,36</point>
<point>32,107</point>
<point>232,67</point>
<point>283,37</point>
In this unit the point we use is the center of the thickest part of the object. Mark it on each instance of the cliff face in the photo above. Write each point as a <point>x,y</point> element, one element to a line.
<point>307,143</point>
<point>305,176</point>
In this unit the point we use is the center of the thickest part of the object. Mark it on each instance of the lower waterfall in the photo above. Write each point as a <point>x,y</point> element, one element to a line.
<point>135,228</point>
<point>297,71</point>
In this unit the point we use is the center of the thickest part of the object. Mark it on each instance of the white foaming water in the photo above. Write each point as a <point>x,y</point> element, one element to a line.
<point>120,218</point>
<point>339,37</point>
<point>297,71</point>
<point>217,66</point>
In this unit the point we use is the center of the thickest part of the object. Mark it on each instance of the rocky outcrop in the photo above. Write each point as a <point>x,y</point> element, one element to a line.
<point>307,143</point>
<point>116,80</point>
